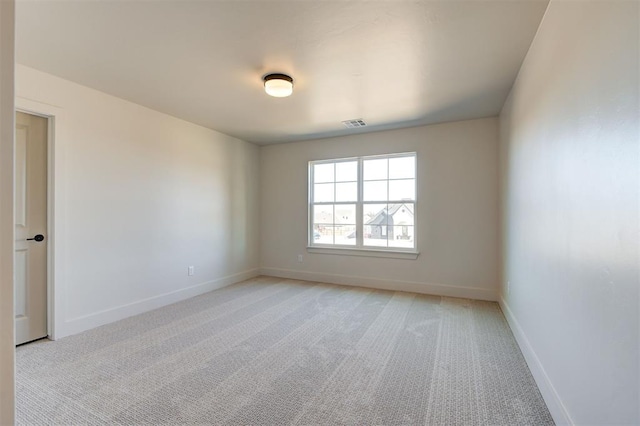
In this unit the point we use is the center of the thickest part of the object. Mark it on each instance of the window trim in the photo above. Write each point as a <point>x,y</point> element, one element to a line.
<point>348,251</point>
<point>359,249</point>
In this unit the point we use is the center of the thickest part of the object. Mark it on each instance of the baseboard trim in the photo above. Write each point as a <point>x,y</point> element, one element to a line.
<point>87,322</point>
<point>409,286</point>
<point>551,398</point>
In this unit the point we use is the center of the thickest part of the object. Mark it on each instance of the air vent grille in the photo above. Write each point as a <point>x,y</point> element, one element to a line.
<point>351,124</point>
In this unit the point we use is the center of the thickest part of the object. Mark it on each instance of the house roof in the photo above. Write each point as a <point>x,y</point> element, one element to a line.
<point>381,217</point>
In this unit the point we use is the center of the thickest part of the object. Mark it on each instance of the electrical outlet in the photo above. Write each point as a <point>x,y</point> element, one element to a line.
<point>192,270</point>
<point>300,258</point>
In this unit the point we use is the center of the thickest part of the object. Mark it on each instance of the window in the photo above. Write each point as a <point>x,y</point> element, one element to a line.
<point>364,203</point>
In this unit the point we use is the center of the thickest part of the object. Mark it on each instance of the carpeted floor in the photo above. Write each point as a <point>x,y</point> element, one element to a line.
<point>270,351</point>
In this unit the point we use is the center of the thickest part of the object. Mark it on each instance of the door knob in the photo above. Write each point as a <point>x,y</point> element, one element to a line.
<point>37,238</point>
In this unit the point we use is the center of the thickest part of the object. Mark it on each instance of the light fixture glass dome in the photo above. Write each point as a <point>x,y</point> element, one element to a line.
<point>278,85</point>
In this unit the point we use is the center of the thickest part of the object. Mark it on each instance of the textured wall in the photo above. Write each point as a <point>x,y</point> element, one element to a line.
<point>140,196</point>
<point>6,212</point>
<point>570,162</point>
<point>457,218</point>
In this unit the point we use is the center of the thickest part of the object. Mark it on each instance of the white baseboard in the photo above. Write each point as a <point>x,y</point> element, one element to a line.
<point>551,398</point>
<point>87,322</point>
<point>382,284</point>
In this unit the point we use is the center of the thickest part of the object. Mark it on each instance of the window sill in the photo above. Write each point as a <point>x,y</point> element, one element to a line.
<point>411,255</point>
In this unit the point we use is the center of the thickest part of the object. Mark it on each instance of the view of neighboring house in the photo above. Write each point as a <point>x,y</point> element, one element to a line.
<point>384,222</point>
<point>395,221</point>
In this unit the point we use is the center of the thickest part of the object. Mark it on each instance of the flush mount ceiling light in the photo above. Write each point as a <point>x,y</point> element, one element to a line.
<point>278,85</point>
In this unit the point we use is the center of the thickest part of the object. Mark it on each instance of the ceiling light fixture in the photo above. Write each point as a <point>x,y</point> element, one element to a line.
<point>278,85</point>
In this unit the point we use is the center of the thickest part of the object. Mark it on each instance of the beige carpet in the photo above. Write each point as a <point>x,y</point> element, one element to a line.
<point>272,352</point>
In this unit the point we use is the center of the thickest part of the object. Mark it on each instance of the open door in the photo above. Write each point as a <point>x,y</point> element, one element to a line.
<point>30,228</point>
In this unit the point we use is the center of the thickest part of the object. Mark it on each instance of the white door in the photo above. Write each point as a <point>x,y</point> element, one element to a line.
<point>31,228</point>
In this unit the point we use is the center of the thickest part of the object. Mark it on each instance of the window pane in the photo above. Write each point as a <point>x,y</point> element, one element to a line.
<point>323,173</point>
<point>347,191</point>
<point>401,214</point>
<point>345,235</point>
<point>381,190</point>
<point>323,193</point>
<point>374,214</point>
<point>375,190</point>
<point>375,235</point>
<point>345,214</point>
<point>322,234</point>
<point>323,214</point>
<point>401,236</point>
<point>402,167</point>
<point>404,189</point>
<point>347,172</point>
<point>375,169</point>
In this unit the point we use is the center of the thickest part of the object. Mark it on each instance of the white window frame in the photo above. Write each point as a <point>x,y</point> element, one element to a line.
<point>360,249</point>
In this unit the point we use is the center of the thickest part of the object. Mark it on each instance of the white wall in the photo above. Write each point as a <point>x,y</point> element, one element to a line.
<point>570,175</point>
<point>457,210</point>
<point>140,196</point>
<point>7,14</point>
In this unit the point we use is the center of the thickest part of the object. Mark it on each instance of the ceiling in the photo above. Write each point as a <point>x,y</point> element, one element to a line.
<point>392,63</point>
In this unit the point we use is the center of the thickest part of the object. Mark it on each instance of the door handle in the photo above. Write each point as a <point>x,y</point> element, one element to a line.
<point>37,238</point>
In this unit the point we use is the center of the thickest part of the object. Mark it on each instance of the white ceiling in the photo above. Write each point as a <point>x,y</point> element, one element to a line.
<point>393,63</point>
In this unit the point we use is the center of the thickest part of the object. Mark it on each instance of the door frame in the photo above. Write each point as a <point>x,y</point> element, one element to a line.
<point>54,116</point>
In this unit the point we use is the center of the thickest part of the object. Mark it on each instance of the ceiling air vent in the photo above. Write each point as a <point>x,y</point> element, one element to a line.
<point>352,124</point>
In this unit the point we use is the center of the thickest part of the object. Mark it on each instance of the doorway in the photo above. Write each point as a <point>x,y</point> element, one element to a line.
<point>31,245</point>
